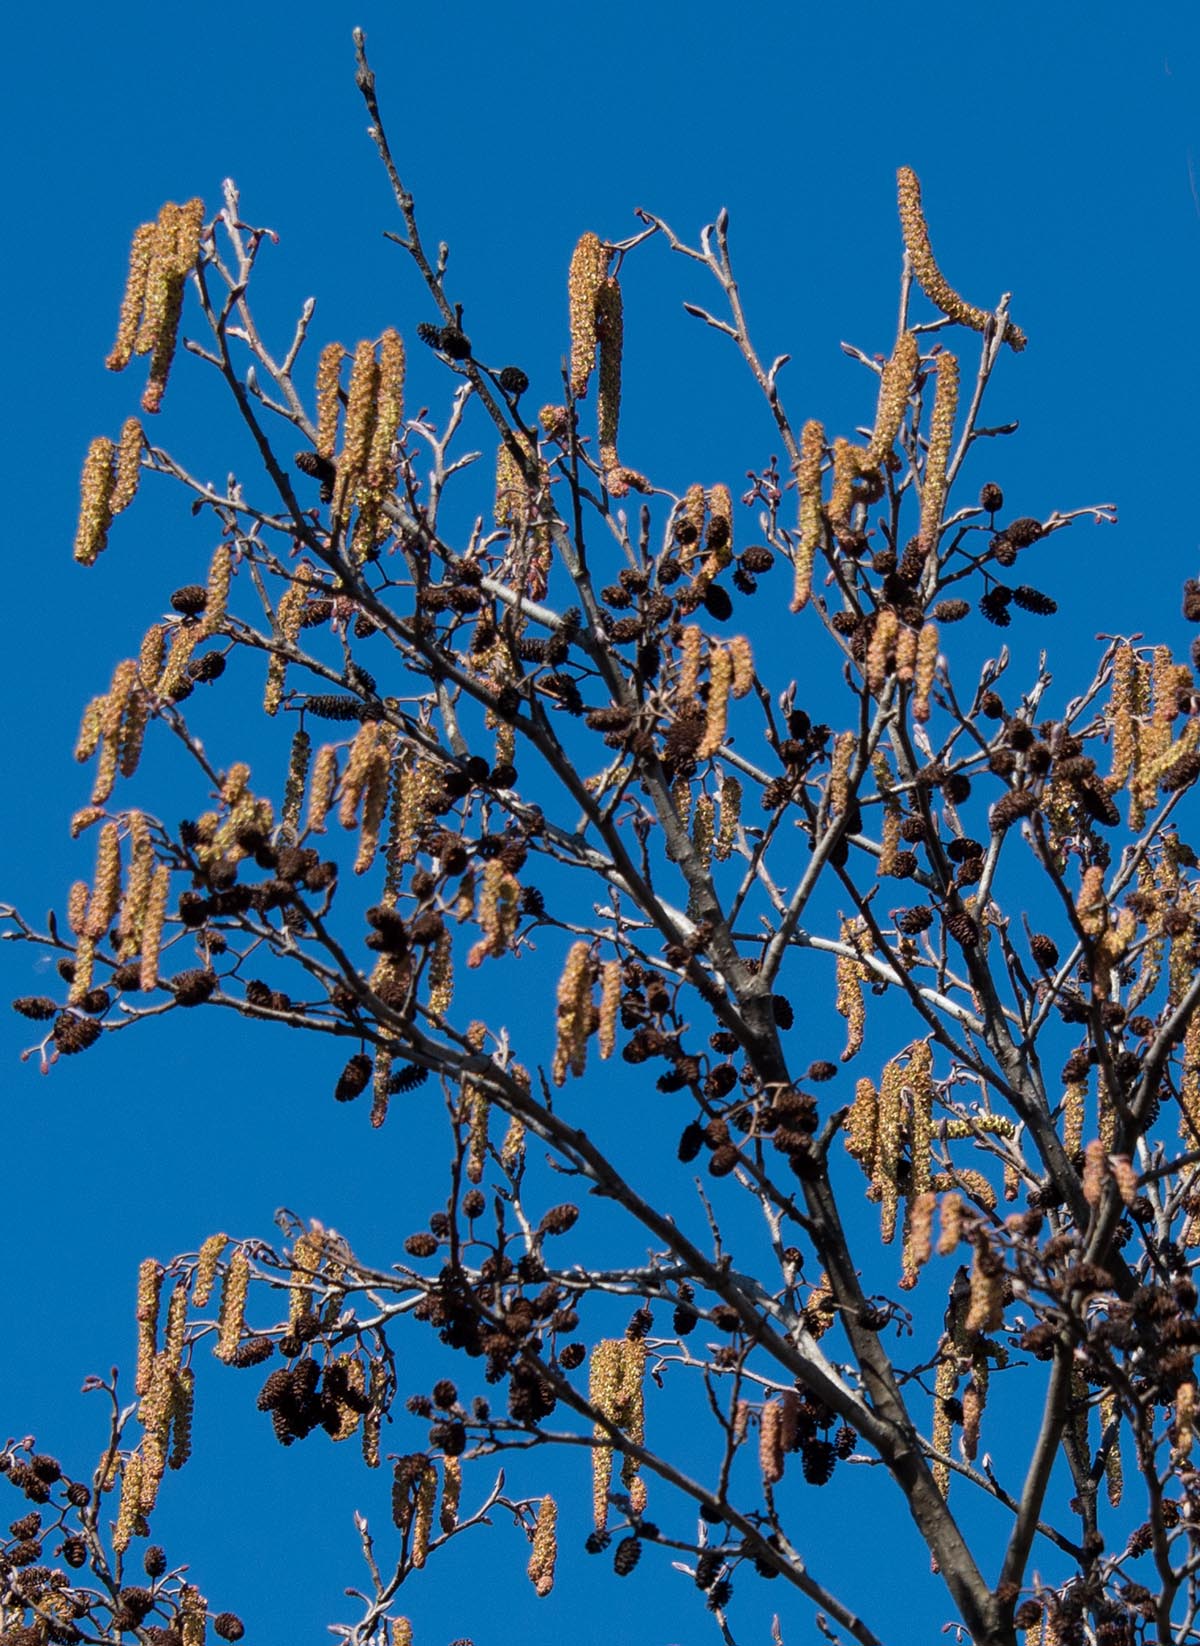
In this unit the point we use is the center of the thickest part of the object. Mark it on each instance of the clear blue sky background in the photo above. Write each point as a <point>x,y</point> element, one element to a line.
<point>1058,147</point>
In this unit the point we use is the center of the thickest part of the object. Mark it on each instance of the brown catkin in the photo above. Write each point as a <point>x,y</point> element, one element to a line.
<point>589,265</point>
<point>106,886</point>
<point>729,799</point>
<point>811,525</point>
<point>610,333</point>
<point>322,787</point>
<point>743,666</point>
<point>770,1443</point>
<point>951,1214</point>
<point>924,266</point>
<point>690,648</point>
<point>451,1493</point>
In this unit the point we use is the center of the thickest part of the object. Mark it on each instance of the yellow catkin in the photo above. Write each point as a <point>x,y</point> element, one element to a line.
<point>928,648</point>
<point>887,1149</point>
<point>193,1615</point>
<point>545,1548</point>
<point>849,997</point>
<point>906,655</point>
<point>881,653</point>
<point>810,526</point>
<point>231,1319</point>
<point>134,299</point>
<point>1091,906</point>
<point>719,538</point>
<point>574,1013</point>
<point>389,411</point>
<point>849,463</point>
<point>498,912</point>
<point>152,926</point>
<point>974,1402</point>
<point>297,777</point>
<point>95,500</point>
<point>692,511</point>
<point>690,649</point>
<point>729,798</point>
<point>589,265</point>
<point>141,876</point>
<point>1073,1103</point>
<point>182,1407</point>
<point>149,1290</point>
<point>451,1493</point>
<point>422,1521</point>
<point>743,666</point>
<point>360,424</point>
<point>130,1506</point>
<point>90,726</point>
<point>306,1265</point>
<point>610,335</point>
<point>288,615</point>
<point>401,1632</point>
<point>77,902</point>
<point>862,1125</point>
<point>175,674</point>
<point>838,789</point>
<point>986,1310</point>
<point>1095,1170</point>
<point>358,767</point>
<point>610,1004</point>
<point>208,1261</point>
<point>150,656</point>
<point>329,369</point>
<point>348,1411</point>
<point>895,386</point>
<point>220,573</point>
<point>941,434</point>
<point>106,886</point>
<point>720,676</point>
<point>924,266</point>
<point>944,1386</point>
<point>702,828</point>
<point>128,465</point>
<point>176,252</point>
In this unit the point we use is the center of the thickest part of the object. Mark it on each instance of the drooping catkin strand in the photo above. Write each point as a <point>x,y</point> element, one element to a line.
<point>1185,1420</point>
<point>141,875</point>
<point>862,1126</point>
<point>176,251</point>
<point>329,372</point>
<point>941,434</point>
<point>838,787</point>
<point>451,1493</point>
<point>924,266</point>
<point>811,526</point>
<point>149,1290</point>
<point>95,500</point>
<point>288,615</point>
<point>182,1407</point>
<point>610,328</point>
<point>589,265</point>
<point>702,829</point>
<point>193,1615</point>
<point>574,1013</point>
<point>849,464</point>
<point>360,424</point>
<point>920,1230</point>
<point>322,785</point>
<point>152,926</point>
<point>729,798</point>
<point>849,999</point>
<point>77,902</point>
<point>943,1392</point>
<point>184,641</point>
<point>974,1402</point>
<point>895,386</point>
<point>358,767</point>
<point>720,677</point>
<point>128,465</point>
<point>375,799</point>
<point>690,645</point>
<point>130,1507</point>
<point>881,653</point>
<point>389,412</point>
<point>693,509</point>
<point>422,1521</point>
<point>498,912</point>
<point>134,300</point>
<point>401,1632</point>
<point>545,1548</point>
<point>88,740</point>
<point>743,666</point>
<point>1091,905</point>
<point>887,1149</point>
<point>610,1003</point>
<point>928,648</point>
<point>951,1218</point>
<point>1110,1420</point>
<point>133,732</point>
<point>231,1318</point>
<point>209,1259</point>
<point>441,976</point>
<point>297,776</point>
<point>986,1311</point>
<point>106,886</point>
<point>306,1265</point>
<point>770,1443</point>
<point>1095,1170</point>
<point>349,1405</point>
<point>906,654</point>
<point>217,603</point>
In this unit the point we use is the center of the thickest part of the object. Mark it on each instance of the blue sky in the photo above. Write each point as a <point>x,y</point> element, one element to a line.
<point>1059,149</point>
